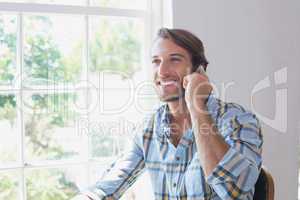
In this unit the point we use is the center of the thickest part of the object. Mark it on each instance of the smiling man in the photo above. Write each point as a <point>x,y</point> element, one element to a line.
<point>194,146</point>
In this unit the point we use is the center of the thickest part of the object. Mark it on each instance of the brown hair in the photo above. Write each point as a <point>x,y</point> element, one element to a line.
<point>189,42</point>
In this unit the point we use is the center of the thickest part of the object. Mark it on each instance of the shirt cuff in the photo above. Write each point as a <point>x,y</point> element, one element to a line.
<point>229,168</point>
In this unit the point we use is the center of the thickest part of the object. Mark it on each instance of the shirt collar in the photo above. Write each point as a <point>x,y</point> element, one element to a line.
<point>163,118</point>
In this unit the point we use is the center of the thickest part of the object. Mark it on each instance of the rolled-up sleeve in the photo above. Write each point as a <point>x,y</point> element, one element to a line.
<point>120,176</point>
<point>236,174</point>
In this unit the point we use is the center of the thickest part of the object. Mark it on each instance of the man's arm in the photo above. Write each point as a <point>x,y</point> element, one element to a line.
<point>119,177</point>
<point>231,157</point>
<point>211,145</point>
<point>229,152</point>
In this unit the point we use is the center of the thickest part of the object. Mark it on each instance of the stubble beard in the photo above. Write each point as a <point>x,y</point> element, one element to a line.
<point>174,97</point>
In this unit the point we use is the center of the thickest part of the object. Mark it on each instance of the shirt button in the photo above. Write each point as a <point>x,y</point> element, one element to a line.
<point>177,158</point>
<point>174,184</point>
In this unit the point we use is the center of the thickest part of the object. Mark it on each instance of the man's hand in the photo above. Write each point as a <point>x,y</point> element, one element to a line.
<point>197,89</point>
<point>81,197</point>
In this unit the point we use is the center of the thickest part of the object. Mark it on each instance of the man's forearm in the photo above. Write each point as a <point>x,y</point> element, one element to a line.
<point>210,144</point>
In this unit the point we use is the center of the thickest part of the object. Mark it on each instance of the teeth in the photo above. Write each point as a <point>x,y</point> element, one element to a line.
<point>164,83</point>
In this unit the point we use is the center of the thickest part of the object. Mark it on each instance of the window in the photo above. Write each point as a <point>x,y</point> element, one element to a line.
<point>69,75</point>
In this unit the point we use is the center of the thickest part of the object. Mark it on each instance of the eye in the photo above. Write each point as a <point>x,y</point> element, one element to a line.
<point>175,59</point>
<point>155,61</point>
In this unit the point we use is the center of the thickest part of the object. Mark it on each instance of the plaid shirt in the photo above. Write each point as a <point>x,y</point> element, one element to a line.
<point>176,172</point>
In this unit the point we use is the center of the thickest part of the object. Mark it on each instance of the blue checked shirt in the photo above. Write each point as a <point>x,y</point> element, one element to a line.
<point>176,172</point>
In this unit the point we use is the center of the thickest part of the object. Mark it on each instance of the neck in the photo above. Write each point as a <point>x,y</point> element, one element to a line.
<point>180,119</point>
<point>179,110</point>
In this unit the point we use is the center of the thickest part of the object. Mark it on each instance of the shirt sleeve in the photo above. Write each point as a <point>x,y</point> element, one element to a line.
<point>120,176</point>
<point>236,174</point>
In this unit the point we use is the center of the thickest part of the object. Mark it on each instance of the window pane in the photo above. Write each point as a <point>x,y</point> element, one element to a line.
<point>97,169</point>
<point>107,144</point>
<point>53,52</point>
<point>108,137</point>
<point>64,2</point>
<point>50,126</point>
<point>104,145</point>
<point>127,4</point>
<point>146,99</point>
<point>113,121</point>
<point>9,185</point>
<point>54,184</point>
<point>116,45</point>
<point>9,129</point>
<point>8,40</point>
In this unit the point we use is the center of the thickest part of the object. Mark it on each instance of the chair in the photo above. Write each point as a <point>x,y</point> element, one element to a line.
<point>264,187</point>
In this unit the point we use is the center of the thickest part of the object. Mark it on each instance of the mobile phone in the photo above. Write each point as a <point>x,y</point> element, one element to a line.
<point>201,70</point>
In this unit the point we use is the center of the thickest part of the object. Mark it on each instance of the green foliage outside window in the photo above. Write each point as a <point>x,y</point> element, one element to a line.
<point>7,52</point>
<point>117,50</point>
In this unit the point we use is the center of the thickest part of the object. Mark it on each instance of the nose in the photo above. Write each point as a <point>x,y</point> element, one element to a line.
<point>163,69</point>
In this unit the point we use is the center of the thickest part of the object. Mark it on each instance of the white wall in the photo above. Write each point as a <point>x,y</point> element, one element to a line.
<point>247,41</point>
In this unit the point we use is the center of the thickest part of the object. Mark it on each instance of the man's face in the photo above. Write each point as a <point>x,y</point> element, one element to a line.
<point>170,64</point>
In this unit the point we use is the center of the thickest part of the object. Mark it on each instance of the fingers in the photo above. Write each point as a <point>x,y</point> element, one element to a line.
<point>188,78</point>
<point>185,82</point>
<point>201,70</point>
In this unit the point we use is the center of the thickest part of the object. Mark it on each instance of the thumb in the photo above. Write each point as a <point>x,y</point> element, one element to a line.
<point>185,82</point>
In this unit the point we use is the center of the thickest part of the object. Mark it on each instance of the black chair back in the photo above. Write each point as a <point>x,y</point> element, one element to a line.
<point>264,187</point>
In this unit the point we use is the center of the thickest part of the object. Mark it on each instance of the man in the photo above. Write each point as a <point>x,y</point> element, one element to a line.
<point>194,146</point>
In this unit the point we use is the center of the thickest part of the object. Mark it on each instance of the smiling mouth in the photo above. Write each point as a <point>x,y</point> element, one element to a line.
<point>167,83</point>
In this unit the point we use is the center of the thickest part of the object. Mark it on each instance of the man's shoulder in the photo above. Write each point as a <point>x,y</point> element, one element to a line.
<point>224,106</point>
<point>235,111</point>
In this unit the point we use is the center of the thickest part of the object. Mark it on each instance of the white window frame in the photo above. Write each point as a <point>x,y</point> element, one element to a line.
<point>157,14</point>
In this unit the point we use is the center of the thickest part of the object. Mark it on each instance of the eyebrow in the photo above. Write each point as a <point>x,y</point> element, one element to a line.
<point>177,54</point>
<point>172,54</point>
